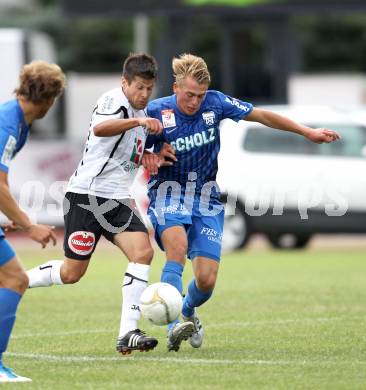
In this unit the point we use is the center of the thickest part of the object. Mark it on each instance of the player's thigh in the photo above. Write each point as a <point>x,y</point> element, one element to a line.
<point>127,230</point>
<point>205,272</point>
<point>82,229</point>
<point>170,221</point>
<point>135,245</point>
<point>205,236</point>
<point>13,276</point>
<point>175,242</point>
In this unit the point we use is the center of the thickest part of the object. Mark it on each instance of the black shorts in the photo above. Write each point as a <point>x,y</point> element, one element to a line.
<point>87,217</point>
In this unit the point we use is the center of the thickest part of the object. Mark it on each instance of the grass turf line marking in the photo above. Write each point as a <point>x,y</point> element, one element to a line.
<point>74,359</point>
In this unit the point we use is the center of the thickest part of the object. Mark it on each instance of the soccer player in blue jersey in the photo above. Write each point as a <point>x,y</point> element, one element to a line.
<point>185,207</point>
<point>40,84</point>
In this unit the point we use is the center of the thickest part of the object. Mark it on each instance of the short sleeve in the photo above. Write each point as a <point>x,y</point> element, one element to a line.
<point>7,149</point>
<point>108,108</point>
<point>234,109</point>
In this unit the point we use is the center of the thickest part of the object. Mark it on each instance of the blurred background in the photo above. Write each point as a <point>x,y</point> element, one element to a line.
<point>268,52</point>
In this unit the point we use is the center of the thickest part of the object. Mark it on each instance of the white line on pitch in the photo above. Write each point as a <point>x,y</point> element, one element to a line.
<point>172,360</point>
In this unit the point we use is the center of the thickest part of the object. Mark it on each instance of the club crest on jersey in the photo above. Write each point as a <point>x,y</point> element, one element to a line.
<point>81,242</point>
<point>209,118</point>
<point>168,118</point>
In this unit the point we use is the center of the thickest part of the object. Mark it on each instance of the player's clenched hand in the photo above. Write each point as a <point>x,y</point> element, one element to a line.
<point>322,135</point>
<point>42,234</point>
<point>167,151</point>
<point>153,125</point>
<point>151,162</point>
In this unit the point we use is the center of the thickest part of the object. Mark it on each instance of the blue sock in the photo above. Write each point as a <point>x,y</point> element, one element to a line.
<point>172,274</point>
<point>9,300</point>
<point>194,298</point>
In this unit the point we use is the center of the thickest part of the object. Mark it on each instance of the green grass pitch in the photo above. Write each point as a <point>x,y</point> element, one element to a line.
<point>277,320</point>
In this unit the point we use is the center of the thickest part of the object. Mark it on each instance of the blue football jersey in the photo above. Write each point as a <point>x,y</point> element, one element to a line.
<point>195,138</point>
<point>13,133</point>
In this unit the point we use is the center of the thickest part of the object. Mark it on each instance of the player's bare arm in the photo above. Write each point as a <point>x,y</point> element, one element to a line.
<point>40,233</point>
<point>271,119</point>
<point>113,127</point>
<point>153,161</point>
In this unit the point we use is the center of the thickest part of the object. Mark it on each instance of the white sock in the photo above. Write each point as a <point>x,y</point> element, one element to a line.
<point>45,274</point>
<point>134,283</point>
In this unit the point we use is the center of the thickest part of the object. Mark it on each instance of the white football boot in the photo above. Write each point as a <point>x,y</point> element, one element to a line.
<point>8,375</point>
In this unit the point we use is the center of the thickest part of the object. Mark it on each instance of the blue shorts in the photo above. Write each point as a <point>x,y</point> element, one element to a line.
<point>6,251</point>
<point>204,225</point>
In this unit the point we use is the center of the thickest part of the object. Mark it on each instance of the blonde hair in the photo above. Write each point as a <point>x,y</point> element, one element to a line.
<point>40,81</point>
<point>192,66</point>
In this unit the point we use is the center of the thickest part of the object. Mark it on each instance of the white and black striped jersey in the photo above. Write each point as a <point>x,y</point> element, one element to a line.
<point>109,164</point>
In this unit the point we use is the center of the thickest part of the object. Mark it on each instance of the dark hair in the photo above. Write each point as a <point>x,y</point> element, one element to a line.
<point>140,65</point>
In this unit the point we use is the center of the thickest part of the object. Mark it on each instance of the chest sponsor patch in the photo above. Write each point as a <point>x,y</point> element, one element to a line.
<point>81,242</point>
<point>168,118</point>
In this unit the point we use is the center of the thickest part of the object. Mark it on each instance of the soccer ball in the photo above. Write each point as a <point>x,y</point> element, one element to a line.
<point>161,303</point>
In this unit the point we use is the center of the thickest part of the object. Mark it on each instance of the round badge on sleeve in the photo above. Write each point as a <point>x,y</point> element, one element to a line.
<point>81,243</point>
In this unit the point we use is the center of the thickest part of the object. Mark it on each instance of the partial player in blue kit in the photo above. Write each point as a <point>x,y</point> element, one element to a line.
<point>40,84</point>
<point>185,207</point>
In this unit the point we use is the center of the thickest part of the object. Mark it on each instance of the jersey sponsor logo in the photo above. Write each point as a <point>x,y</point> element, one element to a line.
<point>236,103</point>
<point>8,150</point>
<point>137,151</point>
<point>128,166</point>
<point>194,140</point>
<point>168,118</point>
<point>81,242</point>
<point>209,118</point>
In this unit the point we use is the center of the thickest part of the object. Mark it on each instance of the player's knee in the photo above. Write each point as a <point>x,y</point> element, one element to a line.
<point>177,251</point>
<point>144,256</point>
<point>22,282</point>
<point>18,282</point>
<point>206,282</point>
<point>71,276</point>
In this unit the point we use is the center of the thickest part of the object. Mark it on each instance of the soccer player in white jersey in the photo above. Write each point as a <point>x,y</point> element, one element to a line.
<point>98,200</point>
<point>40,84</point>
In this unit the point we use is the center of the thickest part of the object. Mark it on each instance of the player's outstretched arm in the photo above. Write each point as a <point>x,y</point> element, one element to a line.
<point>112,127</point>
<point>40,233</point>
<point>276,121</point>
